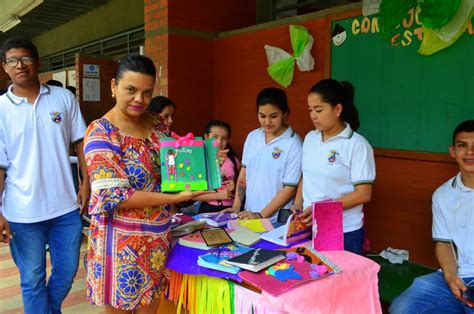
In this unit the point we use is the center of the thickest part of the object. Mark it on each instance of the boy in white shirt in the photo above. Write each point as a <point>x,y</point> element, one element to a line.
<point>38,124</point>
<point>451,289</point>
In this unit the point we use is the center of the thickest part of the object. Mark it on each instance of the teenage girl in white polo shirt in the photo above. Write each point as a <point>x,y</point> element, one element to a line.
<point>271,161</point>
<point>338,163</point>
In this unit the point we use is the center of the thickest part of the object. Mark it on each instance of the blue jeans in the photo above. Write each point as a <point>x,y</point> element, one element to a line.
<point>429,294</point>
<point>63,234</point>
<point>354,241</point>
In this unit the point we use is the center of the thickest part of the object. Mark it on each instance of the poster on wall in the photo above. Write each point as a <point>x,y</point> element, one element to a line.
<point>60,77</point>
<point>71,78</point>
<point>90,89</point>
<point>91,70</point>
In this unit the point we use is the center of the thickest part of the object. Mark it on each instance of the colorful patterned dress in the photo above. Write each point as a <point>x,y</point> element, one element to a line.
<point>128,247</point>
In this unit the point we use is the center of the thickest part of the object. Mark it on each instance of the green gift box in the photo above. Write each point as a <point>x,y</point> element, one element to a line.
<point>189,163</point>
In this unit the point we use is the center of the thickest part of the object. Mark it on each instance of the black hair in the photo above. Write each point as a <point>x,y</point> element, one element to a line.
<point>273,96</point>
<point>18,43</point>
<point>135,63</point>
<point>54,83</point>
<point>231,154</point>
<point>159,103</point>
<point>466,126</point>
<point>72,89</point>
<point>334,92</point>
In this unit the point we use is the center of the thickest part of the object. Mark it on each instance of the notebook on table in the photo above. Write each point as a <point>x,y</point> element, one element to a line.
<point>216,219</point>
<point>194,240</point>
<point>215,236</point>
<point>328,232</point>
<point>245,236</point>
<point>257,259</point>
<point>294,230</point>
<point>186,228</point>
<point>217,258</point>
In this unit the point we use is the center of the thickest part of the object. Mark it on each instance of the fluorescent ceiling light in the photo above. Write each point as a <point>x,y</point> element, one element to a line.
<point>9,22</point>
<point>12,10</point>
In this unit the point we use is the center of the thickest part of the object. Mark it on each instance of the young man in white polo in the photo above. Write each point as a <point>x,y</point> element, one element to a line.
<point>451,289</point>
<point>38,124</point>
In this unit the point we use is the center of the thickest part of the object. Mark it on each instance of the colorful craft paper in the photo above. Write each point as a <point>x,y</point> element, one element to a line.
<point>256,225</point>
<point>201,294</point>
<point>184,260</point>
<point>281,277</point>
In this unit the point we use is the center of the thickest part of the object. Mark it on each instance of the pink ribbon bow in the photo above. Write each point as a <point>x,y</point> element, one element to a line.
<point>186,140</point>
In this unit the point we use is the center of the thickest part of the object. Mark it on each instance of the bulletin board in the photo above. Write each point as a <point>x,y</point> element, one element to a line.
<point>405,100</point>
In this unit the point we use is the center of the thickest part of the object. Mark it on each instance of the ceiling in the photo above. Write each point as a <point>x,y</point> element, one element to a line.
<point>48,15</point>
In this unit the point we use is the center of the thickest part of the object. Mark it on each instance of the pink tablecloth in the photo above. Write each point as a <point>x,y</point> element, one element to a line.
<point>354,290</point>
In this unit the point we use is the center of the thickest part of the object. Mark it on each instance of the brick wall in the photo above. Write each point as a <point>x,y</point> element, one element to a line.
<point>211,15</point>
<point>190,81</point>
<point>179,39</point>
<point>92,110</point>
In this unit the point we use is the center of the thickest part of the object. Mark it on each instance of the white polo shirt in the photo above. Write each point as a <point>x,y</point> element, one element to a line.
<point>333,168</point>
<point>34,150</point>
<point>453,220</point>
<point>270,167</point>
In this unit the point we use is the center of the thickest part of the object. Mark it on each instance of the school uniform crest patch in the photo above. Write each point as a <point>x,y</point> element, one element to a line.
<point>56,117</point>
<point>277,152</point>
<point>332,156</point>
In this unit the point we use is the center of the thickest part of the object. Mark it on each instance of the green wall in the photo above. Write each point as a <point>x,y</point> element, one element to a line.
<point>405,100</point>
<point>112,18</point>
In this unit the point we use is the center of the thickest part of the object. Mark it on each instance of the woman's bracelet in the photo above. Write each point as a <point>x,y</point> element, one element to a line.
<point>259,215</point>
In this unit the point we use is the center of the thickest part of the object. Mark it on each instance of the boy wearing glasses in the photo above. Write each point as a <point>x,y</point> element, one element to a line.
<point>449,290</point>
<point>38,123</point>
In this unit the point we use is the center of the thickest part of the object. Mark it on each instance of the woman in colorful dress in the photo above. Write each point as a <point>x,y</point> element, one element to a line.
<point>129,232</point>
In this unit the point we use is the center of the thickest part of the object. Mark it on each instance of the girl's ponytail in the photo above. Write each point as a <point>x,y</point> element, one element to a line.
<point>349,114</point>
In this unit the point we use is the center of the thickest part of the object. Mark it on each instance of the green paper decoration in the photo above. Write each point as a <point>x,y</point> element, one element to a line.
<point>443,21</point>
<point>392,12</point>
<point>433,41</point>
<point>281,63</point>
<point>437,13</point>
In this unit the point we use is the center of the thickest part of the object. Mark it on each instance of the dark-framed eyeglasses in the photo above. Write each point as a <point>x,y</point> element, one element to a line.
<point>13,62</point>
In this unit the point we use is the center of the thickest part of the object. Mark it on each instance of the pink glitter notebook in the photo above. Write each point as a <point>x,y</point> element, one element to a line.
<point>328,233</point>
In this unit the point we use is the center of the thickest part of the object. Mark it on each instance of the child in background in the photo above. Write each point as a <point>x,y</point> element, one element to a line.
<point>165,108</point>
<point>271,161</point>
<point>338,163</point>
<point>223,197</point>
